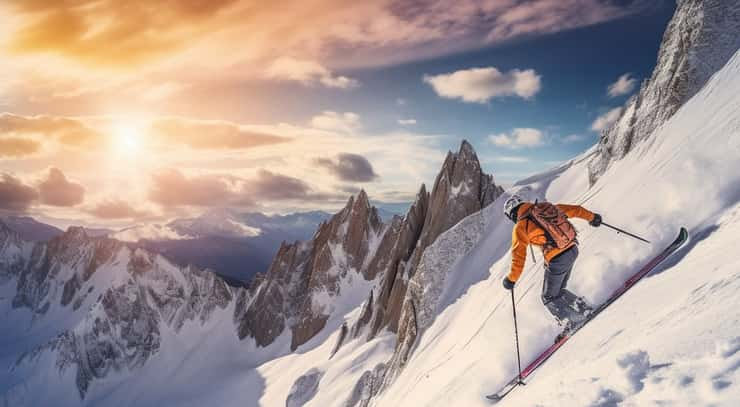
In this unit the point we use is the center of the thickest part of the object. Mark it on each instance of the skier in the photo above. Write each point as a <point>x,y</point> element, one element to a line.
<point>546,225</point>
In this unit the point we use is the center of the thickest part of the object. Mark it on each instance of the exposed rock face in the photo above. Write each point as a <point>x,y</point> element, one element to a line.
<point>396,250</point>
<point>304,388</point>
<point>13,253</point>
<point>69,260</point>
<point>699,40</point>
<point>367,386</point>
<point>121,299</point>
<point>298,290</point>
<point>460,189</point>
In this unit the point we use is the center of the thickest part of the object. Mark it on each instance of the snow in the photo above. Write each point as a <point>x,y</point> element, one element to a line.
<point>148,231</point>
<point>460,189</point>
<point>672,339</point>
<point>339,373</point>
<point>373,243</point>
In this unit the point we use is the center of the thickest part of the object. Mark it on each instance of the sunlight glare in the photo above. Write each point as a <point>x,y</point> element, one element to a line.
<point>127,139</point>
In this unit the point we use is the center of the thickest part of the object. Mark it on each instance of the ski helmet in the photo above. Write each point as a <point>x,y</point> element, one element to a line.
<point>511,205</point>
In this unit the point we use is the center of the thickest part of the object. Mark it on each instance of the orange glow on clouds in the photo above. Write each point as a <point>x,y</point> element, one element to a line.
<point>109,94</point>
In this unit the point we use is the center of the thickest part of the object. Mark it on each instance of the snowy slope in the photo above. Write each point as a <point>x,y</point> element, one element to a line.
<point>675,337</point>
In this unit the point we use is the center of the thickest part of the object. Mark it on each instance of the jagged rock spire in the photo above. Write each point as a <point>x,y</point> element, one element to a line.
<point>303,275</point>
<point>460,189</point>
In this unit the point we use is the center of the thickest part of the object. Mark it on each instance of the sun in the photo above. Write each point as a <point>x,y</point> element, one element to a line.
<point>127,138</point>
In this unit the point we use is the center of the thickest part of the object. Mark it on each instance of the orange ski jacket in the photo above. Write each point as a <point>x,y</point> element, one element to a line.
<point>527,232</point>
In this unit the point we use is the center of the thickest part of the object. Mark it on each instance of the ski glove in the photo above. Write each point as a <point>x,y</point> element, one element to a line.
<point>596,221</point>
<point>508,284</point>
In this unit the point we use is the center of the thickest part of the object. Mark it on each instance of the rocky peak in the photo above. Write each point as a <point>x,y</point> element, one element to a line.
<point>11,252</point>
<point>700,38</point>
<point>75,233</point>
<point>467,150</point>
<point>460,189</point>
<point>304,278</point>
<point>5,231</point>
<point>110,324</point>
<point>300,289</point>
<point>362,199</point>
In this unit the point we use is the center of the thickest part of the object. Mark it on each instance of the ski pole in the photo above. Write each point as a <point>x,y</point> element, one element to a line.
<point>516,337</point>
<point>625,232</point>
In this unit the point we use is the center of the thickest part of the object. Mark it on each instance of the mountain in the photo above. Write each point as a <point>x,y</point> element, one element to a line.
<point>411,311</point>
<point>30,229</point>
<point>234,244</point>
<point>671,340</point>
<point>701,37</point>
<point>103,315</point>
<point>91,305</point>
<point>460,189</point>
<point>353,254</point>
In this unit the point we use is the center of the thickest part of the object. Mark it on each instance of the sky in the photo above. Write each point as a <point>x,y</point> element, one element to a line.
<point>116,113</point>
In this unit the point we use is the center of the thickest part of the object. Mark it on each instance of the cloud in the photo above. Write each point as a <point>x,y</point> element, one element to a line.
<point>14,147</point>
<point>271,186</point>
<point>512,159</point>
<point>349,167</point>
<point>218,175</point>
<point>210,134</point>
<point>56,190</point>
<point>607,119</point>
<point>144,34</point>
<point>573,138</point>
<point>15,196</point>
<point>623,86</point>
<point>308,73</point>
<point>406,122</point>
<point>479,85</point>
<point>191,41</point>
<point>517,19</point>
<point>347,122</point>
<point>162,91</point>
<point>140,30</point>
<point>115,209</point>
<point>519,137</point>
<point>171,187</point>
<point>68,131</point>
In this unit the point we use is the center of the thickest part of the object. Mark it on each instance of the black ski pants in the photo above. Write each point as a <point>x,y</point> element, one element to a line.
<point>563,304</point>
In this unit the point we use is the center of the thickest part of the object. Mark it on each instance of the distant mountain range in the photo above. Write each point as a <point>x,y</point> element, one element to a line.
<point>30,229</point>
<point>234,244</point>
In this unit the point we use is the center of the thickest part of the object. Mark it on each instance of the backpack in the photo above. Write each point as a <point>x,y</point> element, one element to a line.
<point>559,232</point>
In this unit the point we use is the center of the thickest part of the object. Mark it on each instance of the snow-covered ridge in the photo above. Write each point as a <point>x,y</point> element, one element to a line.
<point>93,307</point>
<point>681,347</point>
<point>701,37</point>
<point>102,312</point>
<point>674,336</point>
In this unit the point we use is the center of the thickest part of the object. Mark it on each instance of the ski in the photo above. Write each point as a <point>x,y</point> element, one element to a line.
<point>683,236</point>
